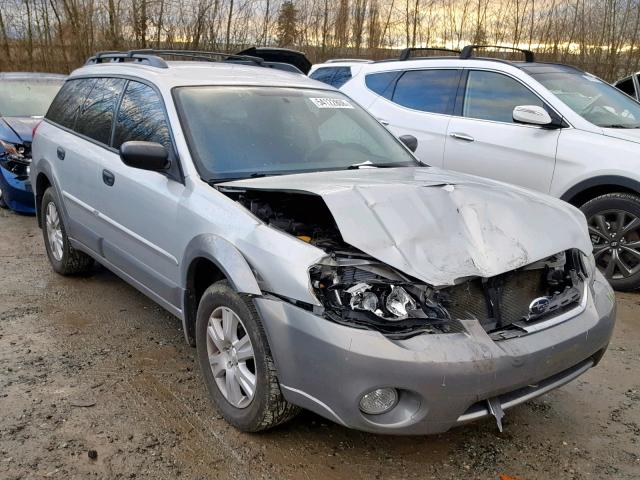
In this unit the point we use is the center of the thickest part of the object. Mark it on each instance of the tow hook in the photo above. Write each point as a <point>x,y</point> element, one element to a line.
<point>495,408</point>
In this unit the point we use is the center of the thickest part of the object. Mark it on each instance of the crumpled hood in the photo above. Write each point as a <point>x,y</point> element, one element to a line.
<point>22,127</point>
<point>439,226</point>
<point>629,134</point>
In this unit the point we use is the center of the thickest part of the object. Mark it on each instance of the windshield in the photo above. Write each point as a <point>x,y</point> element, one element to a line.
<point>27,97</point>
<point>237,132</point>
<point>592,99</point>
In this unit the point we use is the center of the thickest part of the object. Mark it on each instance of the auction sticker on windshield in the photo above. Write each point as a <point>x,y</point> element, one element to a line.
<point>331,103</point>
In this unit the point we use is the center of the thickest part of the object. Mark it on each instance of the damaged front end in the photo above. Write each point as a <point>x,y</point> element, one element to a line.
<point>360,291</point>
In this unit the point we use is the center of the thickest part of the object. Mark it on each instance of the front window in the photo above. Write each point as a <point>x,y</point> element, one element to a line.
<point>493,96</point>
<point>592,99</point>
<point>27,97</point>
<point>236,132</point>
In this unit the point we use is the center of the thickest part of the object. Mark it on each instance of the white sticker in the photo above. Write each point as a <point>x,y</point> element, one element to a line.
<point>331,103</point>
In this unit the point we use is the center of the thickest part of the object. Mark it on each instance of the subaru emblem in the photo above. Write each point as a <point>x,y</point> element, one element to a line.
<point>538,306</point>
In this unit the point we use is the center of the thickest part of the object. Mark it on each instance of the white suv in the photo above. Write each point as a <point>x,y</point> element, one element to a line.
<point>549,127</point>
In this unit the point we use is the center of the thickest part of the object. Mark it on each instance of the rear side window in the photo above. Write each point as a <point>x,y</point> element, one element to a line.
<point>96,115</point>
<point>342,76</point>
<point>141,117</point>
<point>627,87</point>
<point>334,76</point>
<point>381,83</point>
<point>323,75</point>
<point>427,90</point>
<point>70,98</point>
<point>493,96</point>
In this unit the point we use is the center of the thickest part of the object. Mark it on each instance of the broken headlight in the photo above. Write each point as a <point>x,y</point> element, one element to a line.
<point>376,297</point>
<point>15,158</point>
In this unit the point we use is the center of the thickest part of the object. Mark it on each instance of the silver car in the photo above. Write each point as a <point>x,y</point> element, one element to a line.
<point>313,261</point>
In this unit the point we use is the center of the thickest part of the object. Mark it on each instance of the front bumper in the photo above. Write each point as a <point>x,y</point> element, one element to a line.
<point>17,192</point>
<point>444,380</point>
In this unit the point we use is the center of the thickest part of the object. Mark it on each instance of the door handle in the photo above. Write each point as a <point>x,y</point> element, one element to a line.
<point>61,153</point>
<point>108,178</point>
<point>462,136</point>
<point>384,122</point>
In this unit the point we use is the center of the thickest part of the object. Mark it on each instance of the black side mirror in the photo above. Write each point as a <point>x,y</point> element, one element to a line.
<point>145,155</point>
<point>410,141</point>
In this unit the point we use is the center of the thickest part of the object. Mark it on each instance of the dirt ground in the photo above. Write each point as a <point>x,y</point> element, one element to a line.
<point>90,366</point>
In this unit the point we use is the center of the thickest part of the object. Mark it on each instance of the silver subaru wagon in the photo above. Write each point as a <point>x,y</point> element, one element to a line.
<point>313,261</point>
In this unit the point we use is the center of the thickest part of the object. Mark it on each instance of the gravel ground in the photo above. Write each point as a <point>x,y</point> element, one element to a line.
<point>97,382</point>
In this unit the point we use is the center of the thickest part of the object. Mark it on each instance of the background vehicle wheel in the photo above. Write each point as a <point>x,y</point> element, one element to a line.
<point>64,259</point>
<point>2,202</point>
<point>236,362</point>
<point>614,226</point>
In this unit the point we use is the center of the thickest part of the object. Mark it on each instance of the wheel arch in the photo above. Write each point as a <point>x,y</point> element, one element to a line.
<point>591,188</point>
<point>42,183</point>
<point>208,259</point>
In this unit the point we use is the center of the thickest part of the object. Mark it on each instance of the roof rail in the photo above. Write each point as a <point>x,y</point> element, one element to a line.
<point>467,52</point>
<point>153,58</point>
<point>406,53</point>
<point>355,60</point>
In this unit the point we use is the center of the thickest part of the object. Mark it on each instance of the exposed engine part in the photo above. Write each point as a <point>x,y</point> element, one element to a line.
<point>302,215</point>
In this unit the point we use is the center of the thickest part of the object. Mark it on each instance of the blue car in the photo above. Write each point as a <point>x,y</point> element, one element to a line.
<point>24,99</point>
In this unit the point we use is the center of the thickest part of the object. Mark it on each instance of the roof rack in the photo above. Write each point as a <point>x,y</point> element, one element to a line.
<point>406,53</point>
<point>152,57</point>
<point>467,52</point>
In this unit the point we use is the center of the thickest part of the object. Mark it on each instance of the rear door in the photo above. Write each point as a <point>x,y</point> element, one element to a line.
<point>484,140</point>
<point>418,103</point>
<point>81,110</point>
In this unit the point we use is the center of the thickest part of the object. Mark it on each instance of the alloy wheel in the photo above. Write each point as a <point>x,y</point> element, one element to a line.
<point>54,231</point>
<point>231,357</point>
<point>615,235</point>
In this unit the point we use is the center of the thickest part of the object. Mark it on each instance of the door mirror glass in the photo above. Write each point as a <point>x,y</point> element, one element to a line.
<point>410,141</point>
<point>531,115</point>
<point>145,155</point>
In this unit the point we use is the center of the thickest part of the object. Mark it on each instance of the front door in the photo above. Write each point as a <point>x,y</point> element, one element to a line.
<point>485,140</point>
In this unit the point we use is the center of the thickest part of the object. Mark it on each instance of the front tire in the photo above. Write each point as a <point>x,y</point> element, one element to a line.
<point>64,259</point>
<point>236,362</point>
<point>614,226</point>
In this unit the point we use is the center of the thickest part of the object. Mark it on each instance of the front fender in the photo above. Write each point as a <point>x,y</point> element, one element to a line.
<point>226,257</point>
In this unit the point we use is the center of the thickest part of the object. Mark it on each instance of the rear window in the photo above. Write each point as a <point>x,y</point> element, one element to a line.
<point>431,91</point>
<point>66,105</point>
<point>334,76</point>
<point>96,116</point>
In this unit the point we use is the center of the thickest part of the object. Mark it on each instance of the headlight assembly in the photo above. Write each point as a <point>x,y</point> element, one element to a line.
<point>374,296</point>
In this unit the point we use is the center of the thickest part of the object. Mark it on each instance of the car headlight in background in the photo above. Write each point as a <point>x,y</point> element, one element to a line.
<point>15,158</point>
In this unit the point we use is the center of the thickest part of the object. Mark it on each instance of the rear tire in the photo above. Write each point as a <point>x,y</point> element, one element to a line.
<point>64,259</point>
<point>614,226</point>
<point>2,202</point>
<point>257,403</point>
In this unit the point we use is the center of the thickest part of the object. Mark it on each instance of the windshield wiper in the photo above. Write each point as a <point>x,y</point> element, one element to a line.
<point>369,164</point>
<point>620,125</point>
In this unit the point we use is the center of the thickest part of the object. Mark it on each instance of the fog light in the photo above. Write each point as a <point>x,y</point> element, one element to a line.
<point>379,401</point>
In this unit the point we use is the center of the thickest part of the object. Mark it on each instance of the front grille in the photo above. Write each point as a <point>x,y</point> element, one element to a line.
<point>502,301</point>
